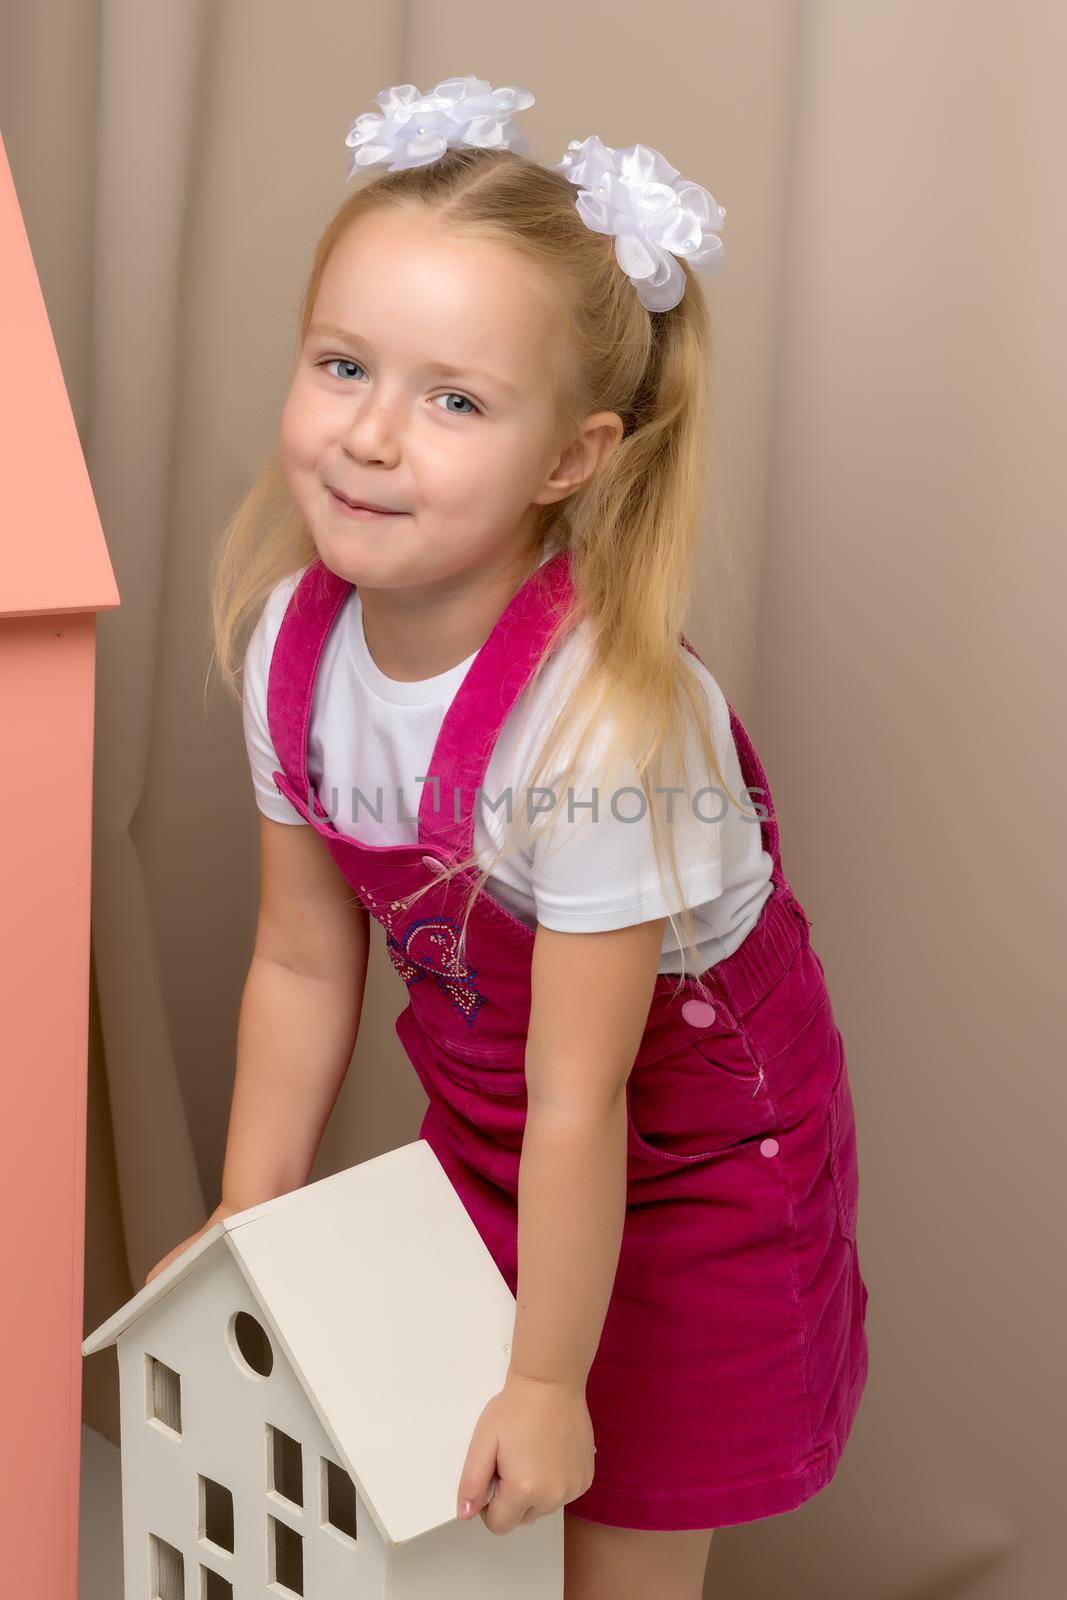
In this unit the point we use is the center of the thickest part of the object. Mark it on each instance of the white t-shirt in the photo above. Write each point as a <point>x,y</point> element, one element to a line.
<point>370,737</point>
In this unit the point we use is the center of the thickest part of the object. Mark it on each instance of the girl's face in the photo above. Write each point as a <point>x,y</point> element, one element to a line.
<point>424,386</point>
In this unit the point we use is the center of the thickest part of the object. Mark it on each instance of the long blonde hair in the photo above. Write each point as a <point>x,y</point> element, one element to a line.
<point>632,532</point>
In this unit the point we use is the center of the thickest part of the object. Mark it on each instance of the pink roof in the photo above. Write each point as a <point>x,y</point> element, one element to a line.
<point>52,551</point>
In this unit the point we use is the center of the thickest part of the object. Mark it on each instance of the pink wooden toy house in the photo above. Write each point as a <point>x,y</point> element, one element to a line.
<point>54,577</point>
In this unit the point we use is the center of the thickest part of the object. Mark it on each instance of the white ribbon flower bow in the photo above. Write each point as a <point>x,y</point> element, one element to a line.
<point>632,193</point>
<point>414,129</point>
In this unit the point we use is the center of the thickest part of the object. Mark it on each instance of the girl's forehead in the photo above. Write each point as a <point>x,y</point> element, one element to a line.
<point>452,302</point>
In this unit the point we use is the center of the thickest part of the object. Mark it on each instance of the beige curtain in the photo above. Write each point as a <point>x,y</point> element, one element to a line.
<point>885,567</point>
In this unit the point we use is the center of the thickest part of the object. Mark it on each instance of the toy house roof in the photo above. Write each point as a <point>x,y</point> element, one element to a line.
<point>55,558</point>
<point>395,1318</point>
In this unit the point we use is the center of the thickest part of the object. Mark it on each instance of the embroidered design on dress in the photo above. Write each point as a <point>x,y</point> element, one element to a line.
<point>429,949</point>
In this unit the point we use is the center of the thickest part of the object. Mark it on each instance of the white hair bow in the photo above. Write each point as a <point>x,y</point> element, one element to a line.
<point>413,129</point>
<point>634,194</point>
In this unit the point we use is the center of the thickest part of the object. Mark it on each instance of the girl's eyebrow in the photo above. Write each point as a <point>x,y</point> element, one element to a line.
<point>441,367</point>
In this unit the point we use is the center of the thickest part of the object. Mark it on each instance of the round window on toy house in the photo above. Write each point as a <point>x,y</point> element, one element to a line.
<point>250,1345</point>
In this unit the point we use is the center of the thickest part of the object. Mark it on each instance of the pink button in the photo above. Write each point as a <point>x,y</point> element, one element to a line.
<point>769,1147</point>
<point>698,1013</point>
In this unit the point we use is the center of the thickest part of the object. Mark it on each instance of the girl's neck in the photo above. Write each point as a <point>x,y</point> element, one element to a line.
<point>417,634</point>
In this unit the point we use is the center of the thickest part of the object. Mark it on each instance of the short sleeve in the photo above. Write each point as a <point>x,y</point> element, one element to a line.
<point>592,872</point>
<point>584,876</point>
<point>262,757</point>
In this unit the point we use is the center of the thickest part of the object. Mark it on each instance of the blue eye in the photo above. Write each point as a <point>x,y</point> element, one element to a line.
<point>345,362</point>
<point>453,394</point>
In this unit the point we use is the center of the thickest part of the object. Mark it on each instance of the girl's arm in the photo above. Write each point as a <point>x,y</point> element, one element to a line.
<point>591,997</point>
<point>299,1015</point>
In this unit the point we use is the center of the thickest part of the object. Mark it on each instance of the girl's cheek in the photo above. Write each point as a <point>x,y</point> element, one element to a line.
<point>289,432</point>
<point>297,460</point>
<point>300,436</point>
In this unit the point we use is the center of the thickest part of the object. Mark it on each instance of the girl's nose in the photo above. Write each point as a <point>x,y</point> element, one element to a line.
<point>372,433</point>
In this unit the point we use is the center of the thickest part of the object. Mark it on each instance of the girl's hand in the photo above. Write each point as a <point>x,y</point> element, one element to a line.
<point>538,1437</point>
<point>220,1211</point>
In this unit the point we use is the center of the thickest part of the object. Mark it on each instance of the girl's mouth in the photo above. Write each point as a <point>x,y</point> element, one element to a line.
<point>362,511</point>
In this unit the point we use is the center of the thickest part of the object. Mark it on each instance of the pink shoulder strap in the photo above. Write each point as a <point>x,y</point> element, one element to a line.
<point>497,676</point>
<point>309,616</point>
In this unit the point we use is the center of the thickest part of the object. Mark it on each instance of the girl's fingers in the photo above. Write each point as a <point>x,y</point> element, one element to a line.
<point>479,1470</point>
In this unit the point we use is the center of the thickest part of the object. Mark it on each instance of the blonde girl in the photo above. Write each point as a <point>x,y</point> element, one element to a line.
<point>460,584</point>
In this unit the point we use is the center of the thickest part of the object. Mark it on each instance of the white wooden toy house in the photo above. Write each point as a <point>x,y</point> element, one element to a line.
<point>298,1392</point>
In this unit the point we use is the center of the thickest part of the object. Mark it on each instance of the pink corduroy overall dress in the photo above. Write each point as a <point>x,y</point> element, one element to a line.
<point>733,1354</point>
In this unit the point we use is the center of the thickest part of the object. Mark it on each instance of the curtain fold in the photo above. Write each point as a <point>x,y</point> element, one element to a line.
<point>150,69</point>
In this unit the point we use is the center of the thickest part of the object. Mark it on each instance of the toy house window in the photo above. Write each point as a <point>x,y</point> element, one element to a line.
<point>163,1394</point>
<point>338,1499</point>
<point>252,1345</point>
<point>215,1514</point>
<point>285,1466</point>
<point>166,1570</point>
<point>285,1557</point>
<point>213,1586</point>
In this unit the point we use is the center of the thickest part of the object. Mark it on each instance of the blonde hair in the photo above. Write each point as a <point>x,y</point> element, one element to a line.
<point>631,531</point>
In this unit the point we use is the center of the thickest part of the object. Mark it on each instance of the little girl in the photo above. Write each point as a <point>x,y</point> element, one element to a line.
<point>467,571</point>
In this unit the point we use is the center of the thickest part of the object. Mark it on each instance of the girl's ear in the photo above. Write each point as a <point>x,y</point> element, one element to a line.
<point>584,458</point>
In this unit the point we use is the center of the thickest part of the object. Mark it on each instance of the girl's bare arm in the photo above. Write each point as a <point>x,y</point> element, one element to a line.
<point>591,996</point>
<point>299,1015</point>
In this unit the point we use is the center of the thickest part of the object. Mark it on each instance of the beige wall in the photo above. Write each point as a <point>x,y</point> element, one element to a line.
<point>885,553</point>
